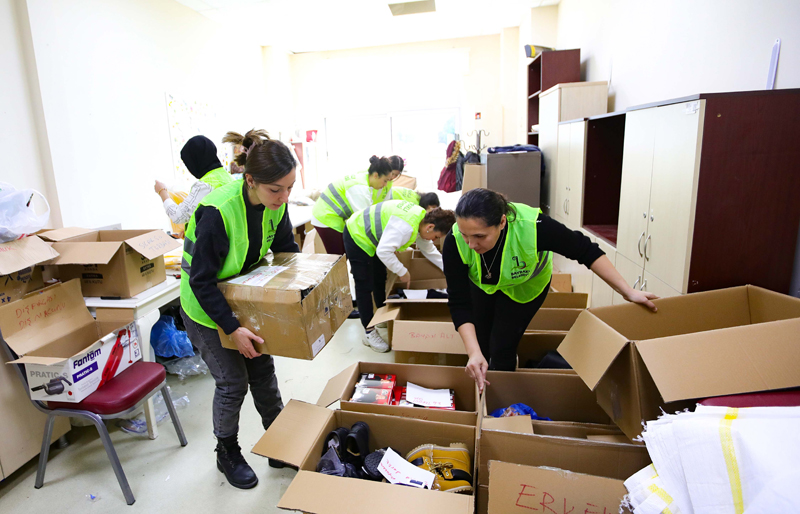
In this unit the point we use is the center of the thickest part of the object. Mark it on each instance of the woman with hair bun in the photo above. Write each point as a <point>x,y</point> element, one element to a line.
<point>344,196</point>
<point>498,264</point>
<point>231,231</point>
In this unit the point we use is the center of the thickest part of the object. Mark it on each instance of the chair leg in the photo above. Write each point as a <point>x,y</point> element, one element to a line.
<point>48,433</point>
<point>112,456</point>
<point>173,415</point>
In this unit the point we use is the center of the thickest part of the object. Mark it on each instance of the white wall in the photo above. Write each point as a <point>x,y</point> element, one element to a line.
<point>279,104</point>
<point>653,51</point>
<point>103,69</point>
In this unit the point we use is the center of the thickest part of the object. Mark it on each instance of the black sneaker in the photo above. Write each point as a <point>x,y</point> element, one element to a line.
<point>231,462</point>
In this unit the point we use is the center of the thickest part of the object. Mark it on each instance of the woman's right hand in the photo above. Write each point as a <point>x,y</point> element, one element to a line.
<point>244,342</point>
<point>476,368</point>
<point>407,279</point>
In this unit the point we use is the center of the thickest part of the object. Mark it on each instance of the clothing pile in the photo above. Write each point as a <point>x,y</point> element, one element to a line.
<point>720,460</point>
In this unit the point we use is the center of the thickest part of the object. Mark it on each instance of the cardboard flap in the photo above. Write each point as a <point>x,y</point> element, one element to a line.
<point>766,305</point>
<point>85,253</point>
<point>516,424</point>
<point>557,300</point>
<point>424,300</point>
<point>734,360</point>
<point>61,234</point>
<point>293,433</point>
<point>386,313</point>
<point>336,387</point>
<point>24,253</point>
<point>44,361</point>
<point>590,347</point>
<point>316,493</point>
<point>153,244</point>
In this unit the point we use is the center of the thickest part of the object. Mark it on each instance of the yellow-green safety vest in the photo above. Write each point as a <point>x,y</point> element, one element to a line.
<point>229,201</point>
<point>524,271</point>
<point>366,227</point>
<point>217,178</point>
<point>403,193</point>
<point>333,209</point>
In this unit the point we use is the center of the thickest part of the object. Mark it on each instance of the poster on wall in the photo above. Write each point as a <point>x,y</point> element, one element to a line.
<point>188,118</point>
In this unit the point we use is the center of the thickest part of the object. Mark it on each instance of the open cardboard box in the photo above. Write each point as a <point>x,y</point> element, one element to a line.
<point>342,386</point>
<point>118,263</point>
<point>297,436</point>
<point>737,340</point>
<point>295,302</point>
<point>534,346</point>
<point>19,273</point>
<point>424,273</point>
<point>515,488</point>
<point>66,353</point>
<point>561,283</point>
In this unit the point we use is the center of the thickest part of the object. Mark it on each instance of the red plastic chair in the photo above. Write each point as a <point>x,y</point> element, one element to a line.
<point>120,396</point>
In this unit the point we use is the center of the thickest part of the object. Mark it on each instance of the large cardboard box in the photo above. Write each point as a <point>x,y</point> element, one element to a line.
<point>534,346</point>
<point>474,177</point>
<point>342,386</point>
<point>432,359</point>
<point>295,302</point>
<point>561,282</point>
<point>116,263</point>
<point>66,353</point>
<point>424,274</point>
<point>737,340</point>
<point>296,437</point>
<point>19,273</point>
<point>514,488</point>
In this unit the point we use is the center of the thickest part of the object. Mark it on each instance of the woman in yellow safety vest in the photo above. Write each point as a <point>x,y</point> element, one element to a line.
<point>232,229</point>
<point>427,201</point>
<point>498,264</point>
<point>398,164</point>
<point>371,238</point>
<point>346,195</point>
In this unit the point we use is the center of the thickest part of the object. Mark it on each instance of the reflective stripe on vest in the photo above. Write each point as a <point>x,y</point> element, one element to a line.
<point>366,227</point>
<point>369,229</point>
<point>345,212</point>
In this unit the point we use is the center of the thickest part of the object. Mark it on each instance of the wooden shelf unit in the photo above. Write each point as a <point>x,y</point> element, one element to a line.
<point>545,71</point>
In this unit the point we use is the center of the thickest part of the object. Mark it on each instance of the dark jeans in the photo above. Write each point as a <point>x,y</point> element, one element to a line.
<point>332,240</point>
<point>369,274</point>
<point>232,373</point>
<point>499,324</point>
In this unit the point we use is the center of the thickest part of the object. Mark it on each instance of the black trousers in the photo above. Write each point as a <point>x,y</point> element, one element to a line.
<point>369,274</point>
<point>500,323</point>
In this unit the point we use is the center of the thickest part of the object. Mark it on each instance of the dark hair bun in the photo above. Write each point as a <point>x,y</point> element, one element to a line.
<point>374,159</point>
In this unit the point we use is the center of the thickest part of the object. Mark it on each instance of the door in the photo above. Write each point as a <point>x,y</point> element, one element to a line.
<point>637,168</point>
<point>559,208</point>
<point>673,192</point>
<point>631,272</point>
<point>653,285</point>
<point>577,153</point>
<point>602,293</point>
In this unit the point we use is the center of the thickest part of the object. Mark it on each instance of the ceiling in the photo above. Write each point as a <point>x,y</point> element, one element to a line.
<point>317,25</point>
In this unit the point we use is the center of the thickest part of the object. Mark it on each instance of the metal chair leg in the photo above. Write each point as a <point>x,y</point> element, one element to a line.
<point>112,456</point>
<point>174,415</point>
<point>48,433</point>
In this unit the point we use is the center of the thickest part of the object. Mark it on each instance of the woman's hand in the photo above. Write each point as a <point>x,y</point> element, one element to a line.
<point>407,279</point>
<point>642,298</point>
<point>159,187</point>
<point>476,368</point>
<point>244,342</point>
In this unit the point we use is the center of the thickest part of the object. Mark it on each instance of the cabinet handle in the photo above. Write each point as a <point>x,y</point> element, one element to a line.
<point>639,245</point>
<point>565,206</point>
<point>647,242</point>
<point>638,279</point>
<point>644,284</point>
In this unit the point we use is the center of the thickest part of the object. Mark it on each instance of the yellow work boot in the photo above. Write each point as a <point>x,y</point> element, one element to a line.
<point>452,466</point>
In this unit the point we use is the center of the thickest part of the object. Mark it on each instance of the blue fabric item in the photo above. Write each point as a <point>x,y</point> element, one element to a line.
<point>167,341</point>
<point>519,409</point>
<point>514,148</point>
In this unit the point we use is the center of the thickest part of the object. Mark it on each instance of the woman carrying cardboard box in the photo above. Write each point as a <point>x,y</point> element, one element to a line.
<point>231,231</point>
<point>498,265</point>
<point>371,238</point>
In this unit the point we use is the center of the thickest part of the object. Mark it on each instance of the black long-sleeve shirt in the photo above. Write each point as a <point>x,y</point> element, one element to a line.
<point>211,249</point>
<point>551,236</point>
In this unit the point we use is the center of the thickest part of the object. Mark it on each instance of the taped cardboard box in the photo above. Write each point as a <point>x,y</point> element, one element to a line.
<point>295,302</point>
<point>342,386</point>
<point>19,270</point>
<point>737,340</point>
<point>116,263</point>
<point>297,438</point>
<point>67,354</point>
<point>515,488</point>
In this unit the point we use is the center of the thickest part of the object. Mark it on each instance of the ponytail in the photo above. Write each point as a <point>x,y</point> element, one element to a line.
<point>266,160</point>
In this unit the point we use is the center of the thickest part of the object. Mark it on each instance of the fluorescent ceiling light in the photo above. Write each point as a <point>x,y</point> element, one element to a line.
<point>417,7</point>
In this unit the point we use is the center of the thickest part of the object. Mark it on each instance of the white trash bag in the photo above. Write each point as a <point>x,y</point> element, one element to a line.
<point>18,217</point>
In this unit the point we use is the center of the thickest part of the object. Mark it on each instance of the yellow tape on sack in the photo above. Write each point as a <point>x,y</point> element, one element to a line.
<point>729,452</point>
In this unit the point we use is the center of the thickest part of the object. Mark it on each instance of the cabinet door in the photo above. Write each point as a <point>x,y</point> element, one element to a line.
<point>631,272</point>
<point>653,285</point>
<point>548,142</point>
<point>634,197</point>
<point>673,192</point>
<point>577,152</point>
<point>562,173</point>
<point>602,293</point>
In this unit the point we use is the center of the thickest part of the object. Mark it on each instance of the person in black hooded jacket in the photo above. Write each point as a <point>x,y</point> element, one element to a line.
<point>199,154</point>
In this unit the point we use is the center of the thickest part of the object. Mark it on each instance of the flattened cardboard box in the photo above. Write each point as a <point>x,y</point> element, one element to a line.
<point>342,386</point>
<point>297,435</point>
<point>737,340</point>
<point>295,303</point>
<point>19,273</point>
<point>120,263</point>
<point>66,353</point>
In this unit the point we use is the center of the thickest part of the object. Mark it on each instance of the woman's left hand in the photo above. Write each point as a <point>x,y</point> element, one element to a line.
<point>642,298</point>
<point>159,186</point>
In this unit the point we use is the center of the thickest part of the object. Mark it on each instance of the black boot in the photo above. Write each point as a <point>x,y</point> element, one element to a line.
<point>231,462</point>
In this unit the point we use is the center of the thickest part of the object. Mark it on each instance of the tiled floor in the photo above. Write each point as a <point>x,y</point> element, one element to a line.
<point>170,479</point>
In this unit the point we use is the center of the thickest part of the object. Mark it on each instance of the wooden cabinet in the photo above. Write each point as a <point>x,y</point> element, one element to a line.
<point>638,278</point>
<point>545,71</point>
<point>570,173</point>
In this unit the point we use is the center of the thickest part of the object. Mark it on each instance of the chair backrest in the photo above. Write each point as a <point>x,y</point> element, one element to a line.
<point>20,370</point>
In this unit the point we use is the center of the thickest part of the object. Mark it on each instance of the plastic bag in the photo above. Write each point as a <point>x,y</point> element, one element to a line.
<point>518,409</point>
<point>168,341</point>
<point>18,217</point>
<point>138,424</point>
<point>178,197</point>
<point>186,367</point>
